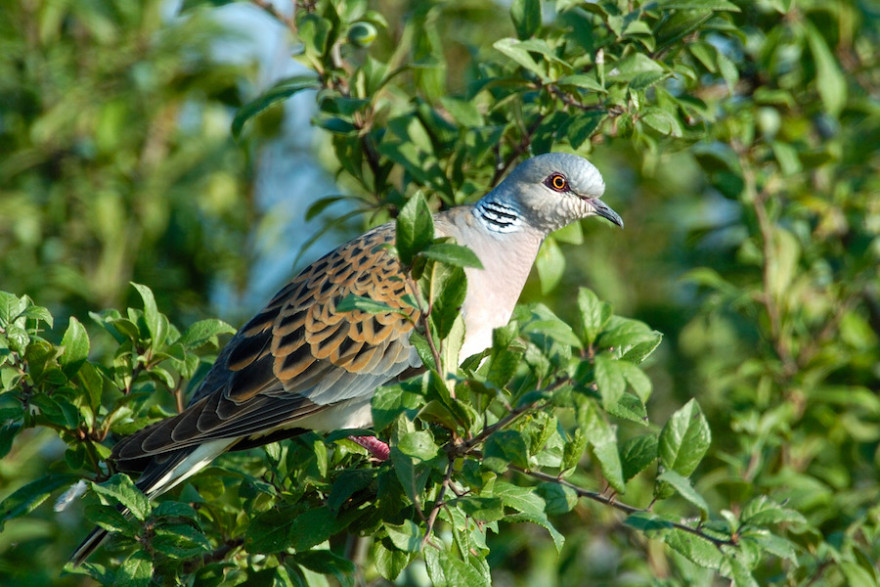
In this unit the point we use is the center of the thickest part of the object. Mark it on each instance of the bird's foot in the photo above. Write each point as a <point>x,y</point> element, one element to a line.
<point>377,448</point>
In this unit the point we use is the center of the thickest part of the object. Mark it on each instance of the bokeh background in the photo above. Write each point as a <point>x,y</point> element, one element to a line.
<point>757,260</point>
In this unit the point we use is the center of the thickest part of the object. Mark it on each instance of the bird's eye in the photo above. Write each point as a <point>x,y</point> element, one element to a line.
<point>558,182</point>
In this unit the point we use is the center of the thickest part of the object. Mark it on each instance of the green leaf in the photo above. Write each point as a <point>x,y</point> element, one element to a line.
<point>544,522</point>
<point>763,511</point>
<point>313,527</point>
<point>783,263</point>
<point>204,332</point>
<point>522,499</point>
<point>550,265</point>
<point>519,53</point>
<point>8,432</point>
<point>412,473</point>
<point>122,491</point>
<point>188,5</point>
<point>684,488</point>
<point>390,401</point>
<point>38,313</point>
<point>680,23</point>
<point>574,449</point>
<point>75,346</point>
<point>733,568</point>
<point>348,483</point>
<point>353,302</point>
<point>661,121</point>
<point>609,379</point>
<point>447,288</point>
<point>418,445</point>
<point>582,126</point>
<point>152,317</point>
<point>716,5</point>
<point>638,381</point>
<point>602,438</point>
<point>452,254</point>
<point>830,81</point>
<point>389,561</point>
<point>280,91</point>
<point>11,306</point>
<point>631,408</point>
<point>269,532</point>
<point>775,545</point>
<point>582,81</point>
<point>446,570</point>
<point>25,499</point>
<point>414,229</point>
<point>505,447</point>
<point>629,339</point>
<point>174,509</point>
<point>179,541</point>
<point>137,570</point>
<point>406,537</point>
<point>526,16</point>
<point>647,521</point>
<point>111,519</point>
<point>635,64</point>
<point>321,204</point>
<point>327,562</point>
<point>559,499</point>
<point>685,439</point>
<point>697,550</point>
<point>594,315</point>
<point>545,323</point>
<point>637,454</point>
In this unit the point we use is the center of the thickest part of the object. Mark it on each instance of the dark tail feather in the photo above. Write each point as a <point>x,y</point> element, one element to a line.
<point>154,469</point>
<point>88,546</point>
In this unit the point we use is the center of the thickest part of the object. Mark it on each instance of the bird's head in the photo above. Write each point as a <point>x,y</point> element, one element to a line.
<point>550,191</point>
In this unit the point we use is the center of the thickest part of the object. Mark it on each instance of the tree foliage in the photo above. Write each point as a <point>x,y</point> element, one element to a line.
<point>743,137</point>
<point>116,162</point>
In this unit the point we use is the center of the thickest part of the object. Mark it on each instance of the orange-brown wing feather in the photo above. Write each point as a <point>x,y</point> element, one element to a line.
<point>299,355</point>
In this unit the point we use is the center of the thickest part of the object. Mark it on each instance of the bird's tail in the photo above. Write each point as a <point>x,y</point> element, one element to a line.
<point>88,546</point>
<point>161,474</point>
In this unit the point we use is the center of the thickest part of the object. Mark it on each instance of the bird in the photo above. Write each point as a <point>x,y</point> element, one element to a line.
<point>300,364</point>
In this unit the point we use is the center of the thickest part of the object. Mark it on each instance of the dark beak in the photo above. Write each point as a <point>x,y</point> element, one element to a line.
<point>604,211</point>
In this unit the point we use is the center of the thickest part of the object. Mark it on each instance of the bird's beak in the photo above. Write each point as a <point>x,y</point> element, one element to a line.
<point>602,209</point>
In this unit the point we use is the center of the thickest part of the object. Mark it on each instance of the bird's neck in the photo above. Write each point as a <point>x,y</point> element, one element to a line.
<point>498,217</point>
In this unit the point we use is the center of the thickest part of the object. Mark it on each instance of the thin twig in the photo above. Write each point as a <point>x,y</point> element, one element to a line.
<point>523,146</point>
<point>466,446</point>
<point>758,201</point>
<point>610,501</point>
<point>289,22</point>
<point>432,517</point>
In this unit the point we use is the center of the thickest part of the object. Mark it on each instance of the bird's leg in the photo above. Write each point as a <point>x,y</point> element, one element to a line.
<point>377,448</point>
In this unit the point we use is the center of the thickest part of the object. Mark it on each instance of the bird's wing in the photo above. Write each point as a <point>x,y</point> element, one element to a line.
<point>299,355</point>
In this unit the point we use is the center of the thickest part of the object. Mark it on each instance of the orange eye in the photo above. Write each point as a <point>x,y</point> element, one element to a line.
<point>558,182</point>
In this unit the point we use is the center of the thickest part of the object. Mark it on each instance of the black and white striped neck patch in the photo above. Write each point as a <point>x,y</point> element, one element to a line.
<point>498,217</point>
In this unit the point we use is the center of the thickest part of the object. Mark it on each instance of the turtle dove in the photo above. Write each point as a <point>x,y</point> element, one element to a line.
<point>300,364</point>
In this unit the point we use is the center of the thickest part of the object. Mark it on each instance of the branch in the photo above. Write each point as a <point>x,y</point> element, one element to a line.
<point>432,517</point>
<point>757,199</point>
<point>218,554</point>
<point>610,501</point>
<point>289,22</point>
<point>466,446</point>
<point>524,143</point>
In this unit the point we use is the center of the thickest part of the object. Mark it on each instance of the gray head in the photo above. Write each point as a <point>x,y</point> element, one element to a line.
<point>546,193</point>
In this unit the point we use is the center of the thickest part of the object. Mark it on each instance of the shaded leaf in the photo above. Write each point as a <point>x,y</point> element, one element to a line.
<point>280,91</point>
<point>28,497</point>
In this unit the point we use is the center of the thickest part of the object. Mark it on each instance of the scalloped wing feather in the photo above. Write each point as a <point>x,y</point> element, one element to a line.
<point>299,355</point>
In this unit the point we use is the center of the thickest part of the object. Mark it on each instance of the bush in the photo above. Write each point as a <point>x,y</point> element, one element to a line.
<point>742,137</point>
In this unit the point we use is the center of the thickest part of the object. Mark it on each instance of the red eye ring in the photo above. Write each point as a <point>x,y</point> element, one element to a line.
<point>558,182</point>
